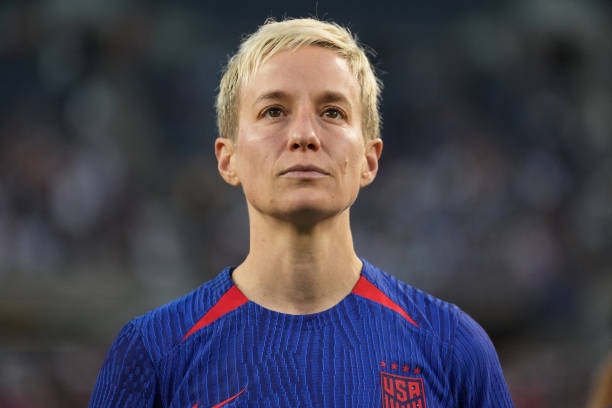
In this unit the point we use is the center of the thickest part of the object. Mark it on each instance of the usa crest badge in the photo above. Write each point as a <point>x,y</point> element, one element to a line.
<point>402,392</point>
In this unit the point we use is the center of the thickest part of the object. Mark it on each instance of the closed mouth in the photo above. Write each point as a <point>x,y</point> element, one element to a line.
<point>304,169</point>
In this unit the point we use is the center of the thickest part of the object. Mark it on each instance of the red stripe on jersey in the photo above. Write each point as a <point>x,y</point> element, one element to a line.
<point>367,290</point>
<point>232,299</point>
<point>229,399</point>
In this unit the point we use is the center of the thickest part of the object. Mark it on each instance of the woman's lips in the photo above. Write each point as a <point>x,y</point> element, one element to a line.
<point>303,174</point>
<point>304,171</point>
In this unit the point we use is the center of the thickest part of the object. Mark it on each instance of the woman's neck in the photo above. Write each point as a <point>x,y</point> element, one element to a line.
<point>297,270</point>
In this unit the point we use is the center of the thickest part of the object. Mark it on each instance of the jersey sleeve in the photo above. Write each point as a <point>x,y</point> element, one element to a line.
<point>476,372</point>
<point>127,377</point>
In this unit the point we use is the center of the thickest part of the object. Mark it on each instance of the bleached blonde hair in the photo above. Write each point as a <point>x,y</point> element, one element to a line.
<point>291,34</point>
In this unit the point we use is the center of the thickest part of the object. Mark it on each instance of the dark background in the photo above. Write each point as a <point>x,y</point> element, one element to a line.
<point>495,189</point>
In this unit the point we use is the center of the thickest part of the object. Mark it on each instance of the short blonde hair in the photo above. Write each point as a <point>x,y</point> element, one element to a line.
<point>291,34</point>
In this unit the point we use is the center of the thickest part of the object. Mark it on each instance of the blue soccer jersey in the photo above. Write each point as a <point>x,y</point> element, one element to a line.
<point>386,345</point>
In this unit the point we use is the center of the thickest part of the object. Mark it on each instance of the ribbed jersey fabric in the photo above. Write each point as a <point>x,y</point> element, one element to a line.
<point>386,345</point>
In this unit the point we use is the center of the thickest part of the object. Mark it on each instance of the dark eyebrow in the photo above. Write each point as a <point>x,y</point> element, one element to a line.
<point>272,95</point>
<point>333,97</point>
<point>326,97</point>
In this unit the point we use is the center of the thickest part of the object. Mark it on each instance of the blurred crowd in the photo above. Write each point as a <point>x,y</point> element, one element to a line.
<point>495,188</point>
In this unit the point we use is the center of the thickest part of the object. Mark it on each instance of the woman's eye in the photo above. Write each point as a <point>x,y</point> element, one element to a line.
<point>332,114</point>
<point>274,112</point>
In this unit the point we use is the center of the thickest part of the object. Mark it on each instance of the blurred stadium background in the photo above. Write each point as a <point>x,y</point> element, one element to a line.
<point>495,190</point>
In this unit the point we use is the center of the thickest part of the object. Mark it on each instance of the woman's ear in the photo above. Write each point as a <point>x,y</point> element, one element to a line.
<point>224,150</point>
<point>373,150</point>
